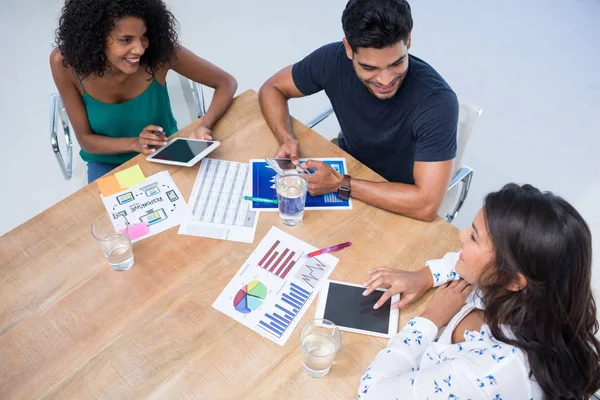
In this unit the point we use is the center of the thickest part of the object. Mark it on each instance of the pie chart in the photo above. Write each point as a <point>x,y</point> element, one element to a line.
<point>250,297</point>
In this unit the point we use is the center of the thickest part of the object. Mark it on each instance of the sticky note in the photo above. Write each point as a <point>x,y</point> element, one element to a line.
<point>136,231</point>
<point>130,177</point>
<point>109,185</point>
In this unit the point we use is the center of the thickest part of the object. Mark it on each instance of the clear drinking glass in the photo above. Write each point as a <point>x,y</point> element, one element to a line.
<point>291,196</point>
<point>320,340</point>
<point>115,245</point>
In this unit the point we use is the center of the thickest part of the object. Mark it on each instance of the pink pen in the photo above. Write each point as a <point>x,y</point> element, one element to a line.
<point>337,247</point>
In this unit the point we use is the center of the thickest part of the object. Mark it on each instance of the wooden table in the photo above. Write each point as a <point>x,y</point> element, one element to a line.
<point>72,328</point>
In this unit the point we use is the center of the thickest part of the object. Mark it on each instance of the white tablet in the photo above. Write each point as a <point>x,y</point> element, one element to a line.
<point>183,151</point>
<point>343,304</point>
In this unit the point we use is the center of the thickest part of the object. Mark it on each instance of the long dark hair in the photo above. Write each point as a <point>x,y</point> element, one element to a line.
<point>85,24</point>
<point>553,318</point>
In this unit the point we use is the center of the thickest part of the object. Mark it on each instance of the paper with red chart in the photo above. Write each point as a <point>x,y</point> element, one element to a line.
<point>274,287</point>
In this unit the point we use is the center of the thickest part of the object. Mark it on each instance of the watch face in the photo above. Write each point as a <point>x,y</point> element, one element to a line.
<point>343,193</point>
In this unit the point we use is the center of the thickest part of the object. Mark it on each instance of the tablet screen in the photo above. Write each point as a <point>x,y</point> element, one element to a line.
<point>346,306</point>
<point>182,151</point>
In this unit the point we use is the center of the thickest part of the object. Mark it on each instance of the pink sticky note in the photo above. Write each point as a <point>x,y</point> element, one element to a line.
<point>137,231</point>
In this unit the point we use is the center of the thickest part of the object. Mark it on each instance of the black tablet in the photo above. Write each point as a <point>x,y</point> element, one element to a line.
<point>343,304</point>
<point>184,152</point>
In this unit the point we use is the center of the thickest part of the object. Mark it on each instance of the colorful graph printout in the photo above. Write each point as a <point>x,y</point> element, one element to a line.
<point>277,283</point>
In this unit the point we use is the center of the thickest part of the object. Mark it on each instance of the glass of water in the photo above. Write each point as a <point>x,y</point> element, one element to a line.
<point>291,196</point>
<point>115,244</point>
<point>320,340</point>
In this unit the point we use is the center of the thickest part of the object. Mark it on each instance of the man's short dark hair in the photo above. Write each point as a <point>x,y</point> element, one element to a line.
<point>376,23</point>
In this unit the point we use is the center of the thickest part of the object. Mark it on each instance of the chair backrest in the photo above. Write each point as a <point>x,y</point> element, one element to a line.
<point>60,122</point>
<point>193,94</point>
<point>467,114</point>
<point>462,175</point>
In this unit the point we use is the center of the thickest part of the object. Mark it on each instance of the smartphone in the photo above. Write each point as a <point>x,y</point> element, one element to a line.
<point>284,164</point>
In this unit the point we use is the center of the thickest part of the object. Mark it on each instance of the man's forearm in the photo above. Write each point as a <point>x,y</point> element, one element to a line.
<point>408,200</point>
<point>275,109</point>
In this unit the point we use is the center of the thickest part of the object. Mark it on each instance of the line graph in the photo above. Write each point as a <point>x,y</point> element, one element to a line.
<point>311,272</point>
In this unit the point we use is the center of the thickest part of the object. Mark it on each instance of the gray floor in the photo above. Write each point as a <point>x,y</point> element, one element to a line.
<point>532,66</point>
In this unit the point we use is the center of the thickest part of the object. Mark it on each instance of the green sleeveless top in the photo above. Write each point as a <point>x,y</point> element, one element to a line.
<point>127,119</point>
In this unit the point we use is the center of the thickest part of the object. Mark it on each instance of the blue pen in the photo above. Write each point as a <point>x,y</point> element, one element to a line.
<point>261,200</point>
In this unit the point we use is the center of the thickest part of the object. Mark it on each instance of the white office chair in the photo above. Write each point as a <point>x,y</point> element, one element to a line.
<point>57,109</point>
<point>461,179</point>
<point>59,115</point>
<point>198,94</point>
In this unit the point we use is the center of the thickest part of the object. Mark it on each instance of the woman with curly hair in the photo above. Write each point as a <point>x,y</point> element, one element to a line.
<point>527,330</point>
<point>110,68</point>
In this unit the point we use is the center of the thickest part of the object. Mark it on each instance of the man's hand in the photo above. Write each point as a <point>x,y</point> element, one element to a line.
<point>447,301</point>
<point>289,149</point>
<point>201,133</point>
<point>324,180</point>
<point>412,285</point>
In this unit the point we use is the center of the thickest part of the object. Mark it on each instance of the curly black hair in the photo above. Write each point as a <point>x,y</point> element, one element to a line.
<point>85,24</point>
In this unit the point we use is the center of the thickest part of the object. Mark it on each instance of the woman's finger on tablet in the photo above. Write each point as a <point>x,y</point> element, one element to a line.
<point>384,297</point>
<point>404,301</point>
<point>371,280</point>
<point>377,283</point>
<point>380,272</point>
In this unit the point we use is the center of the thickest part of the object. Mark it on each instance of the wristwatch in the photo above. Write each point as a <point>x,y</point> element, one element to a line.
<point>343,192</point>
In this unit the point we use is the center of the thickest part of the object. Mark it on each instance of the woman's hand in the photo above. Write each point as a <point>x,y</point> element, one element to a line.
<point>447,301</point>
<point>151,138</point>
<point>201,133</point>
<point>412,285</point>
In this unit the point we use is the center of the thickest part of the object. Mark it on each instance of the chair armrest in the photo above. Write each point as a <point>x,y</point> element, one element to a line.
<point>198,94</point>
<point>319,118</point>
<point>462,177</point>
<point>58,109</point>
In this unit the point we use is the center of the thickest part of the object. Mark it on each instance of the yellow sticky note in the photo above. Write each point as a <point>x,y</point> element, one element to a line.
<point>130,177</point>
<point>109,185</point>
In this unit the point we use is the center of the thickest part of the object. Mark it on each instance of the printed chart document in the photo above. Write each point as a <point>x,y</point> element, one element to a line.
<point>262,185</point>
<point>156,203</point>
<point>275,286</point>
<point>216,205</point>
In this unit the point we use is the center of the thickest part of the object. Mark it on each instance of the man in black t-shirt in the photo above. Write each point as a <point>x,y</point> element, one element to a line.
<point>397,114</point>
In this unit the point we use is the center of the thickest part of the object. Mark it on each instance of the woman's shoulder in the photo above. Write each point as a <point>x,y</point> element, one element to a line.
<point>493,365</point>
<point>160,75</point>
<point>57,59</point>
<point>483,349</point>
<point>57,64</point>
<point>61,72</point>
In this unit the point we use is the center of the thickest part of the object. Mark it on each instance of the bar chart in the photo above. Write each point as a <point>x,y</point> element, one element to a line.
<point>279,260</point>
<point>286,309</point>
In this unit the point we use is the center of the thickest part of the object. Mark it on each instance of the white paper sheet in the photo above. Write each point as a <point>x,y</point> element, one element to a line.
<point>275,286</point>
<point>216,206</point>
<point>157,202</point>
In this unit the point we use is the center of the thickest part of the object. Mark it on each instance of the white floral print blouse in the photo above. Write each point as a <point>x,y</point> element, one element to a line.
<point>416,366</point>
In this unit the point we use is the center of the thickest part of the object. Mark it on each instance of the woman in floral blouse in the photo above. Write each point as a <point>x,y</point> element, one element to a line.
<point>516,303</point>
